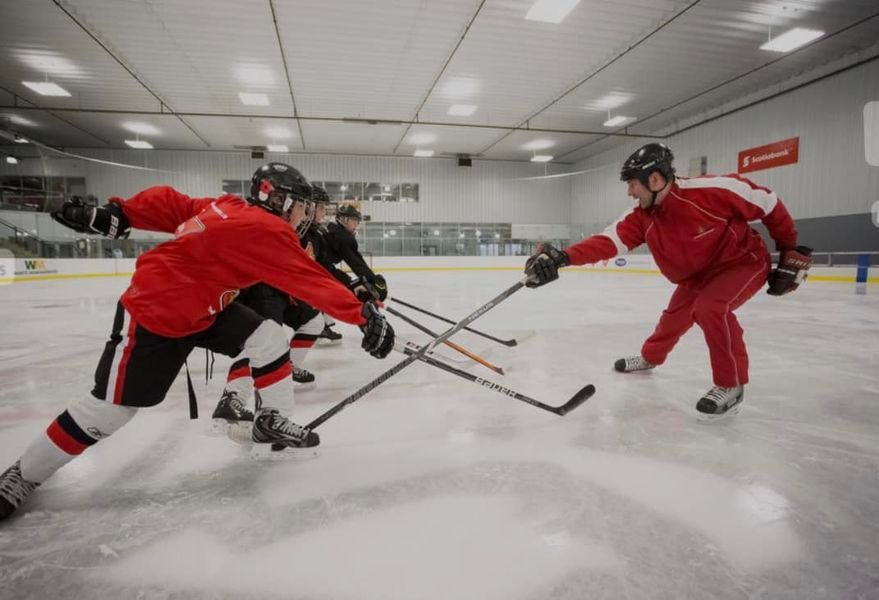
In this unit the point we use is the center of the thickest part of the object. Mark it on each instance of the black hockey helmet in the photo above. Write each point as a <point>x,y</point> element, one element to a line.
<point>275,187</point>
<point>319,195</point>
<point>647,159</point>
<point>347,210</point>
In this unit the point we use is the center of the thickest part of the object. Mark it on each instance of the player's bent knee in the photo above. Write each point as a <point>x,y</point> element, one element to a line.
<point>266,343</point>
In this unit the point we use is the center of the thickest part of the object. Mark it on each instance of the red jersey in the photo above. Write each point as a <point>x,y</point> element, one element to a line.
<point>220,246</point>
<point>701,225</point>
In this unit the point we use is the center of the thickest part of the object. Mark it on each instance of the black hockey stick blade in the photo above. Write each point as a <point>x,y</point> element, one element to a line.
<point>578,399</point>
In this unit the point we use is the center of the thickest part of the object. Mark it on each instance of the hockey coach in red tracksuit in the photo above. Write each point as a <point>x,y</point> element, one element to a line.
<point>181,297</point>
<point>697,230</point>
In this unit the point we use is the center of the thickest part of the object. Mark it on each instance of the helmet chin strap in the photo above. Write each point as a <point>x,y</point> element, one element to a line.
<point>656,193</point>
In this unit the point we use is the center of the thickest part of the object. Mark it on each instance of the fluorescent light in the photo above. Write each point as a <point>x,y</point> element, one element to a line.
<point>792,39</point>
<point>277,148</point>
<point>20,121</point>
<point>344,188</point>
<point>610,101</point>
<point>462,110</point>
<point>12,160</point>
<point>497,236</point>
<point>278,132</point>
<point>46,88</point>
<point>141,128</point>
<point>422,137</point>
<point>424,153</point>
<point>254,75</point>
<point>49,62</point>
<point>541,158</point>
<point>617,120</point>
<point>393,232</point>
<point>541,144</point>
<point>478,233</point>
<point>436,232</point>
<point>139,144</point>
<point>551,11</point>
<point>253,99</point>
<point>20,140</point>
<point>460,87</point>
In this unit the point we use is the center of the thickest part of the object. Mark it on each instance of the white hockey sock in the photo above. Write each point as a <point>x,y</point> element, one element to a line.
<point>84,423</point>
<point>303,340</point>
<point>270,366</point>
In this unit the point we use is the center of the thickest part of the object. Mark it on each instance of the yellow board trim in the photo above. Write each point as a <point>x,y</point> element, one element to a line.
<point>830,278</point>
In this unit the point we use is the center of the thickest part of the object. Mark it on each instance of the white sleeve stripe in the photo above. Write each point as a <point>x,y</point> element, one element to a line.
<point>765,200</point>
<point>611,232</point>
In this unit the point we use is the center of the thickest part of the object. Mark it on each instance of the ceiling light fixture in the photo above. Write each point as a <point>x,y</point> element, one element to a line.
<point>551,11</point>
<point>46,88</point>
<point>617,120</point>
<point>254,75</point>
<point>278,132</point>
<point>277,148</point>
<point>541,144</point>
<point>462,110</point>
<point>423,153</point>
<point>251,99</point>
<point>141,128</point>
<point>541,158</point>
<point>422,137</point>
<point>20,140</point>
<point>12,160</point>
<point>791,40</point>
<point>460,87</point>
<point>139,144</point>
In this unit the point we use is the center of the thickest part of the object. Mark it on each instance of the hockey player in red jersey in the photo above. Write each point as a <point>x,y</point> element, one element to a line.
<point>181,297</point>
<point>697,230</point>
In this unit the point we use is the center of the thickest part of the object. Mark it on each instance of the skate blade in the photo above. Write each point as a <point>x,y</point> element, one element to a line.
<point>324,343</point>
<point>264,452</point>
<point>241,433</point>
<point>216,428</point>
<point>722,417</point>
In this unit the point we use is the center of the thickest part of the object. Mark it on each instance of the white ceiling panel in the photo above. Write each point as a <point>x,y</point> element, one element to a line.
<point>354,138</point>
<point>445,141</point>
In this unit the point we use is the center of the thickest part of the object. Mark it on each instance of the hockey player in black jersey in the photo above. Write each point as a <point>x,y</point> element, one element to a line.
<point>342,246</point>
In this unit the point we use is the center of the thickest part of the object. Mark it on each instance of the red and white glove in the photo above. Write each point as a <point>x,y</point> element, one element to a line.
<point>792,270</point>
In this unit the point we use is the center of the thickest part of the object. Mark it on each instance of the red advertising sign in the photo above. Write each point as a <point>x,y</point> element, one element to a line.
<point>785,152</point>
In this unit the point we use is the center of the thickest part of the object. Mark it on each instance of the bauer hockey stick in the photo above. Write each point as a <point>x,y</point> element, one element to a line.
<point>452,345</point>
<point>421,352</point>
<point>576,400</point>
<point>509,343</point>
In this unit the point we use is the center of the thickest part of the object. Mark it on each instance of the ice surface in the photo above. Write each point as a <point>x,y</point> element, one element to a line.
<point>431,487</point>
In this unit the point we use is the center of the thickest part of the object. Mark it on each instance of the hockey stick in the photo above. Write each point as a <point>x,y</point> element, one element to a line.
<point>575,401</point>
<point>509,343</point>
<point>421,352</point>
<point>452,345</point>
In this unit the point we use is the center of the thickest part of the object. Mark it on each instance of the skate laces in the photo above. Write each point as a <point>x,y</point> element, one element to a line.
<point>298,371</point>
<point>288,427</point>
<point>14,487</point>
<point>719,394</point>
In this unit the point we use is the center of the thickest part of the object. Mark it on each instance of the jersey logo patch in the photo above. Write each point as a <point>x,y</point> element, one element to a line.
<point>193,225</point>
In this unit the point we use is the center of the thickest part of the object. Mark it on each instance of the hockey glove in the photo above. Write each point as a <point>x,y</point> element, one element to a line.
<point>364,291</point>
<point>792,270</point>
<point>107,220</point>
<point>378,335</point>
<point>544,266</point>
<point>381,286</point>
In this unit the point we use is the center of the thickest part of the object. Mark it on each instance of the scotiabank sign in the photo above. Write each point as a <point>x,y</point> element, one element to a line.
<point>776,154</point>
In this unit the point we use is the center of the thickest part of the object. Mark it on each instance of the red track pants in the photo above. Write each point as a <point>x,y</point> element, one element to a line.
<point>710,303</point>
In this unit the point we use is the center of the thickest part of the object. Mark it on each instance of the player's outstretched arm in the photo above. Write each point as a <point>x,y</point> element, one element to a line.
<point>108,220</point>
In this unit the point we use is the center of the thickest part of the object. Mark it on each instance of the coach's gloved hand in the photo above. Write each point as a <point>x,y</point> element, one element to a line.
<point>381,286</point>
<point>107,220</point>
<point>792,270</point>
<point>544,265</point>
<point>378,335</point>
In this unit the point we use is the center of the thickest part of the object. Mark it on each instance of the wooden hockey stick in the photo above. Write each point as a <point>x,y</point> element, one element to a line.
<point>576,400</point>
<point>452,345</point>
<point>415,356</point>
<point>509,343</point>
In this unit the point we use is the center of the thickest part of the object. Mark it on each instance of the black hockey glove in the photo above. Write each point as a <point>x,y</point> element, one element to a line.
<point>364,291</point>
<point>381,286</point>
<point>792,270</point>
<point>107,220</point>
<point>378,335</point>
<point>544,266</point>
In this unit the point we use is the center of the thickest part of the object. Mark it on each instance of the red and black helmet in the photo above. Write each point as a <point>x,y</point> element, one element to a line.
<point>275,187</point>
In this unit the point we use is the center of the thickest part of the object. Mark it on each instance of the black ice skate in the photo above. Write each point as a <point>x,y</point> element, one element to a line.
<point>328,337</point>
<point>303,377</point>
<point>631,364</point>
<point>13,489</point>
<point>720,401</point>
<point>277,438</point>
<point>230,411</point>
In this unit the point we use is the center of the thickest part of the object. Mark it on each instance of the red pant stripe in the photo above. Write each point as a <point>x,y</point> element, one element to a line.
<point>275,376</point>
<point>123,362</point>
<point>64,440</point>
<point>238,373</point>
<point>294,343</point>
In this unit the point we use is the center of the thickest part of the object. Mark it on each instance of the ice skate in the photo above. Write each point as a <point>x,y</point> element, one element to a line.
<point>304,378</point>
<point>720,402</point>
<point>13,489</point>
<point>277,438</point>
<point>230,411</point>
<point>631,364</point>
<point>328,337</point>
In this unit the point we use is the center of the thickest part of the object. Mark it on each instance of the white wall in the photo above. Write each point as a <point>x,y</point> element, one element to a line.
<point>485,192</point>
<point>831,178</point>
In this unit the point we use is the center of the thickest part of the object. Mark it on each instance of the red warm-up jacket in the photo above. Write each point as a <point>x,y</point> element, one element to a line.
<point>700,226</point>
<point>220,246</point>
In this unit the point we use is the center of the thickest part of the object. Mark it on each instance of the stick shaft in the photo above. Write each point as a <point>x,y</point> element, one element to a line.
<point>445,320</point>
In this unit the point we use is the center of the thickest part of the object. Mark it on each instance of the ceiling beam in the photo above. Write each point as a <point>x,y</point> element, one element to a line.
<point>287,73</point>
<point>162,103</point>
<point>440,74</point>
<point>15,106</point>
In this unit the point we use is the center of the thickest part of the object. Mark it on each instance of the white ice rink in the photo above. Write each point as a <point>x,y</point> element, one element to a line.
<point>433,488</point>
